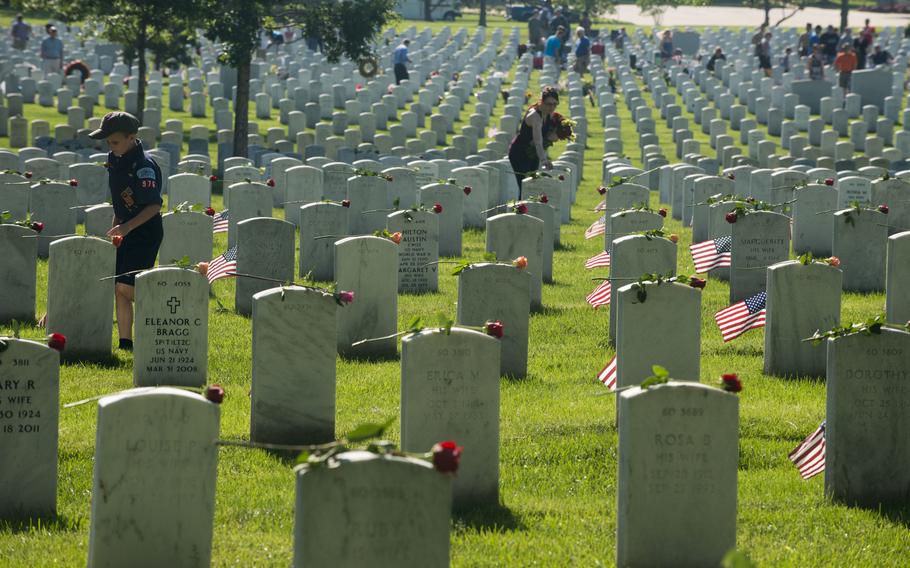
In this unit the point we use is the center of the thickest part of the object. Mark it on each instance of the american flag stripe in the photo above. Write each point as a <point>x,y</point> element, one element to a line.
<point>601,295</point>
<point>740,317</point>
<point>220,222</point>
<point>607,375</point>
<point>602,206</point>
<point>223,266</point>
<point>711,254</point>
<point>598,260</point>
<point>809,455</point>
<point>597,228</point>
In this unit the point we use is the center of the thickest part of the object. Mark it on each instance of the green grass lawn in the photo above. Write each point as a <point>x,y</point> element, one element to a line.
<point>558,440</point>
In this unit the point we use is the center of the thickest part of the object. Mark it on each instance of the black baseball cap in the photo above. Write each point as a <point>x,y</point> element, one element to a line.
<point>116,122</point>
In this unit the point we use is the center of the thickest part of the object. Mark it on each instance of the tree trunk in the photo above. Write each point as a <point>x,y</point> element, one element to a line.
<point>242,106</point>
<point>140,55</point>
<point>767,8</point>
<point>428,10</point>
<point>483,13</point>
<point>844,11</point>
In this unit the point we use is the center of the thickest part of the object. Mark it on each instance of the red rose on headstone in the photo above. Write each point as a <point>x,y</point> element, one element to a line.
<point>467,190</point>
<point>74,182</point>
<point>346,297</point>
<point>829,181</point>
<point>521,209</point>
<point>28,175</point>
<point>602,190</point>
<point>834,261</point>
<point>270,182</point>
<point>674,237</point>
<point>214,393</point>
<point>437,208</point>
<point>345,202</point>
<point>883,208</point>
<point>213,178</point>
<point>446,456</point>
<point>662,211</point>
<point>730,382</point>
<point>697,282</point>
<point>562,177</point>
<point>544,198</point>
<point>56,341</point>
<point>730,217</point>
<point>209,211</point>
<point>520,262</point>
<point>494,328</point>
<point>396,238</point>
<point>37,226</point>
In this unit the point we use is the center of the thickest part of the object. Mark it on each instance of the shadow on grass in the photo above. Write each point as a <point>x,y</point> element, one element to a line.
<point>355,358</point>
<point>795,378</point>
<point>740,350</point>
<point>51,522</point>
<point>493,518</point>
<point>105,362</point>
<point>564,247</point>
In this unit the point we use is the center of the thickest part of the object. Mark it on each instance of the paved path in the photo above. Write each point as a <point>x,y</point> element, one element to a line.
<point>737,16</point>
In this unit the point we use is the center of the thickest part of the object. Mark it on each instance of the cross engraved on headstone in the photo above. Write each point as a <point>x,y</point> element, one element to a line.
<point>173,304</point>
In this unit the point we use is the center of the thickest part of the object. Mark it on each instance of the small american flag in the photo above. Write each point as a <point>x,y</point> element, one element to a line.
<point>740,317</point>
<point>597,228</point>
<point>601,295</point>
<point>598,260</point>
<point>607,375</point>
<point>223,266</point>
<point>220,224</point>
<point>711,254</point>
<point>809,456</point>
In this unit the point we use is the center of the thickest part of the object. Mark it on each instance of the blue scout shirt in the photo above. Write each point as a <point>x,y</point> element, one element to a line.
<point>135,181</point>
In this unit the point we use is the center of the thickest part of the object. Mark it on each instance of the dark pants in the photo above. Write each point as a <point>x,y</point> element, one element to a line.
<point>401,73</point>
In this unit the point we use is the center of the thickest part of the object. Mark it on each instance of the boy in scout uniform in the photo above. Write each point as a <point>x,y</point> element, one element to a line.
<point>135,183</point>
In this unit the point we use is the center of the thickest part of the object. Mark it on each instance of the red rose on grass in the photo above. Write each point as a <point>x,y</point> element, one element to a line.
<point>883,208</point>
<point>209,211</point>
<point>544,198</point>
<point>396,238</point>
<point>730,217</point>
<point>521,209</point>
<point>446,456</point>
<point>602,190</point>
<point>214,393</point>
<point>271,182</point>
<point>494,328</point>
<point>829,181</point>
<point>74,182</point>
<point>662,211</point>
<point>37,226</point>
<point>56,341</point>
<point>117,241</point>
<point>346,297</point>
<point>467,190</point>
<point>730,382</point>
<point>697,282</point>
<point>674,237</point>
<point>834,261</point>
<point>520,262</point>
<point>28,175</point>
<point>437,208</point>
<point>213,178</point>
<point>345,202</point>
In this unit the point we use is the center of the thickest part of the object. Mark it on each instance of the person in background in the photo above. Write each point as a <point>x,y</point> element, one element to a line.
<point>863,44</point>
<point>803,46</point>
<point>527,151</point>
<point>620,41</point>
<point>718,55</point>
<point>558,20</point>
<point>758,36</point>
<point>881,56</point>
<point>400,61</point>
<point>785,60</point>
<point>535,31</point>
<point>21,33</point>
<point>666,47</point>
<point>815,65</point>
<point>764,54</point>
<point>553,47</point>
<point>815,38</point>
<point>586,23</point>
<point>907,32</point>
<point>845,64</point>
<point>829,42</point>
<point>845,38</point>
<point>582,51</point>
<point>134,180</point>
<point>52,52</point>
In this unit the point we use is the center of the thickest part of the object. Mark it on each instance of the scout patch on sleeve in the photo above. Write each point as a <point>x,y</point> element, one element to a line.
<point>127,196</point>
<point>145,173</point>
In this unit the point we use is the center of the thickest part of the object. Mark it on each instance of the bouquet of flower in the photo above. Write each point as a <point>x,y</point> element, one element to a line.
<point>563,126</point>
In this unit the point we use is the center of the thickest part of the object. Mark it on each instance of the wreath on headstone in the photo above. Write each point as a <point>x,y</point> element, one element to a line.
<point>368,67</point>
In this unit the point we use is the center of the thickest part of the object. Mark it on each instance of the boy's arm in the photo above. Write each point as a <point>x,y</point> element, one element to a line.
<point>121,230</point>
